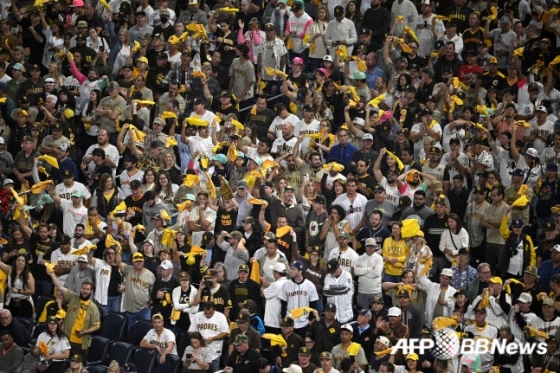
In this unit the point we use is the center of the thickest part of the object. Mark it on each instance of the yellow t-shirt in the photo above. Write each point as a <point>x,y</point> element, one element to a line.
<point>80,321</point>
<point>395,249</point>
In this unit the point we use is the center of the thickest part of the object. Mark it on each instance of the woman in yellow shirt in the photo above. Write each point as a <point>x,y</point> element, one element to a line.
<point>395,251</point>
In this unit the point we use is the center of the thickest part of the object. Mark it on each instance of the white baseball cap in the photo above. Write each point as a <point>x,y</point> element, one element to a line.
<point>279,267</point>
<point>525,298</point>
<point>370,242</point>
<point>394,311</point>
<point>166,264</point>
<point>446,272</point>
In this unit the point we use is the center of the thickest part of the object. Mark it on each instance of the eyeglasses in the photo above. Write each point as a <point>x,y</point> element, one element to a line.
<point>306,342</point>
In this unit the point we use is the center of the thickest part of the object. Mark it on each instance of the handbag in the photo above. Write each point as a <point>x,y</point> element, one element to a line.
<point>43,366</point>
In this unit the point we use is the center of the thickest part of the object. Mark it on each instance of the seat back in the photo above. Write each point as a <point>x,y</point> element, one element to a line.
<point>173,364</point>
<point>182,343</point>
<point>97,369</point>
<point>144,359</point>
<point>99,349</point>
<point>121,352</point>
<point>28,323</point>
<point>39,328</point>
<point>114,327</point>
<point>138,332</point>
<point>40,303</point>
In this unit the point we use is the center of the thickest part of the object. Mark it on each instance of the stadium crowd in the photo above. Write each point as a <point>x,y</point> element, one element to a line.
<point>295,186</point>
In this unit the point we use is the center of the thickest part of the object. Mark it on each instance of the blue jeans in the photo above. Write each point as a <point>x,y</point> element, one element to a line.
<point>391,278</point>
<point>113,305</point>
<point>214,366</point>
<point>43,287</point>
<point>143,314</point>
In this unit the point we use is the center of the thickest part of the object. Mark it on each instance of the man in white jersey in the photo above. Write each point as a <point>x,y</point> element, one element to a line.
<point>298,292</point>
<point>541,129</point>
<point>214,327</point>
<point>345,256</point>
<point>112,154</point>
<point>130,173</point>
<point>339,289</point>
<point>482,330</point>
<point>307,126</point>
<point>389,183</point>
<point>283,117</point>
<point>353,203</point>
<point>68,186</point>
<point>73,212</point>
<point>160,339</point>
<point>63,259</point>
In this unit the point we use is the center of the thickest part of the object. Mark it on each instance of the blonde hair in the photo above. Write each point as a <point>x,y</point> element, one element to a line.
<point>114,365</point>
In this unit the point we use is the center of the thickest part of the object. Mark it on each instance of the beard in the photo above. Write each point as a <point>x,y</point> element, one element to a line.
<point>85,298</point>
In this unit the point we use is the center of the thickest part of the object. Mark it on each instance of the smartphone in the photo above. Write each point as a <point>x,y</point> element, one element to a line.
<point>189,356</point>
<point>352,358</point>
<point>101,48</point>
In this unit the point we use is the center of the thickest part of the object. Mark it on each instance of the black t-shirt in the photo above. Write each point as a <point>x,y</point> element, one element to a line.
<point>226,220</point>
<point>137,206</point>
<point>262,119</point>
<point>36,48</point>
<point>41,251</point>
<point>222,112</point>
<point>220,298</point>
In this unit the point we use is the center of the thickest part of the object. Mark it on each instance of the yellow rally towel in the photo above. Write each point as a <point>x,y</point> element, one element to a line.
<point>533,332</point>
<point>342,52</point>
<point>410,228</point>
<point>282,231</point>
<point>256,201</point>
<point>410,32</point>
<point>40,186</point>
<point>168,115</point>
<point>512,280</point>
<point>275,339</point>
<point>49,159</point>
<point>182,206</point>
<point>43,348</point>
<point>84,250</point>
<point>171,142</point>
<point>376,101</point>
<point>110,241</point>
<point>50,267</point>
<point>400,165</point>
<point>191,180</point>
<point>382,353</point>
<point>255,272</point>
<point>168,237</point>
<point>301,311</point>
<point>443,322</point>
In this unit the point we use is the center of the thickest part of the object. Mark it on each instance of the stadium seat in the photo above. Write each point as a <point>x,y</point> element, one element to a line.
<point>98,350</point>
<point>28,323</point>
<point>182,342</point>
<point>173,364</point>
<point>144,359</point>
<point>39,328</point>
<point>119,351</point>
<point>138,331</point>
<point>97,369</point>
<point>114,327</point>
<point>42,300</point>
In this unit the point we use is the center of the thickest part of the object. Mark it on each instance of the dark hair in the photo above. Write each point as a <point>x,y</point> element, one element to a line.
<point>378,212</point>
<point>390,366</point>
<point>144,180</point>
<point>340,211</point>
<point>198,337</point>
<point>24,273</point>
<point>500,190</point>
<point>457,220</point>
<point>420,192</point>
<point>149,195</point>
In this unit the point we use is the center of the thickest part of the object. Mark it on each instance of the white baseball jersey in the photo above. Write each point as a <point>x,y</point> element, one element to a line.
<point>343,302</point>
<point>276,125</point>
<point>111,152</point>
<point>63,260</point>
<point>125,180</point>
<point>354,210</point>
<point>210,327</point>
<point>66,193</point>
<point>346,259</point>
<point>299,295</point>
<point>162,340</point>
